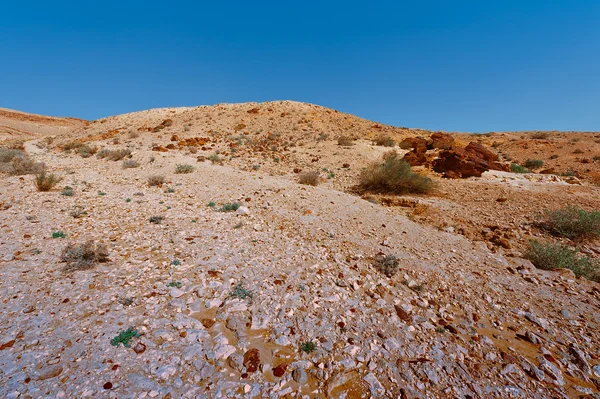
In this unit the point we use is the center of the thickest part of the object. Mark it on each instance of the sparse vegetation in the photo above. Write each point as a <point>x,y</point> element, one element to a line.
<point>384,140</point>
<point>156,180</point>
<point>308,347</point>
<point>124,337</point>
<point>183,168</point>
<point>215,159</point>
<point>212,204</point>
<point>84,256</point>
<point>67,191</point>
<point>572,222</point>
<point>386,264</point>
<point>395,176</point>
<point>311,178</point>
<point>113,155</point>
<point>345,141</point>
<point>17,162</point>
<point>516,168</point>
<point>550,256</point>
<point>533,163</point>
<point>156,219</point>
<point>130,163</point>
<point>175,284</point>
<point>78,211</point>
<point>58,234</point>
<point>554,156</point>
<point>46,182</point>
<point>229,207</point>
<point>240,292</point>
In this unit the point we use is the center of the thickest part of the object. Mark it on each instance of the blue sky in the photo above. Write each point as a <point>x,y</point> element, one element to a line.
<point>448,65</point>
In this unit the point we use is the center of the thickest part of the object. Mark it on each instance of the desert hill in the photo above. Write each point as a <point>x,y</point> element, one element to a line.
<point>16,125</point>
<point>212,272</point>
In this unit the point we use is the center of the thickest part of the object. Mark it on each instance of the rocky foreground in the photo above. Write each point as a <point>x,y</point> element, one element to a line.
<point>276,299</point>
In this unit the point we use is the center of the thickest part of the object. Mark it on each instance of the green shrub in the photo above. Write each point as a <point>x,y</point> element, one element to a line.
<point>183,168</point>
<point>550,256</point>
<point>124,337</point>
<point>533,163</point>
<point>215,159</point>
<point>58,234</point>
<point>516,168</point>
<point>395,176</point>
<point>572,222</point>
<point>230,207</point>
<point>386,264</point>
<point>46,182</point>
<point>308,347</point>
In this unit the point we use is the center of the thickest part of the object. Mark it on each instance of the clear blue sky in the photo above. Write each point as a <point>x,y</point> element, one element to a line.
<point>449,65</point>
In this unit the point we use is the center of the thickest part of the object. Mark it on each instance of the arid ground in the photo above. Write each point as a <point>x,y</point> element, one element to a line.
<point>231,279</point>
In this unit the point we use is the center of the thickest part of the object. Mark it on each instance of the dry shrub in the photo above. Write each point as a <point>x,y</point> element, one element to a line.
<point>395,176</point>
<point>384,140</point>
<point>46,182</point>
<point>345,141</point>
<point>184,168</point>
<point>572,222</point>
<point>114,155</point>
<point>84,256</point>
<point>130,163</point>
<point>539,135</point>
<point>311,178</point>
<point>387,264</point>
<point>156,180</point>
<point>17,162</point>
<point>595,178</point>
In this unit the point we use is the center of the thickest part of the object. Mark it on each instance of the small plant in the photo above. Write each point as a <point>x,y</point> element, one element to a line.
<point>395,176</point>
<point>215,159</point>
<point>156,219</point>
<point>308,347</point>
<point>133,134</point>
<point>230,207</point>
<point>175,284</point>
<point>533,163</point>
<point>46,182</point>
<point>127,199</point>
<point>58,234</point>
<point>23,165</point>
<point>183,168</point>
<point>169,190</point>
<point>331,175</point>
<point>312,178</point>
<point>516,168</point>
<point>255,167</point>
<point>114,155</point>
<point>176,262</point>
<point>384,140</point>
<point>578,151</point>
<point>124,337</point>
<point>572,222</point>
<point>238,225</point>
<point>67,191</point>
<point>130,163</point>
<point>387,264</point>
<point>156,180</point>
<point>84,256</point>
<point>554,156</point>
<point>569,173</point>
<point>550,256</point>
<point>212,204</point>
<point>240,292</point>
<point>345,141</point>
<point>78,211</point>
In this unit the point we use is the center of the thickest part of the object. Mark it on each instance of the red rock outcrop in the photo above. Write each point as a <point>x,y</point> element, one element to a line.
<point>471,161</point>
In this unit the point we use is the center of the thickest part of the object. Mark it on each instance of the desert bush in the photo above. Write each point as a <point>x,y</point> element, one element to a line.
<point>86,151</point>
<point>133,134</point>
<point>114,155</point>
<point>230,207</point>
<point>23,165</point>
<point>384,140</point>
<point>73,145</point>
<point>311,178</point>
<point>533,163</point>
<point>78,212</point>
<point>569,173</point>
<point>156,219</point>
<point>8,154</point>
<point>539,135</point>
<point>345,141</point>
<point>215,159</point>
<point>46,182</point>
<point>572,222</point>
<point>67,191</point>
<point>395,176</point>
<point>84,256</point>
<point>156,180</point>
<point>516,168</point>
<point>548,256</point>
<point>130,163</point>
<point>578,151</point>
<point>183,168</point>
<point>386,264</point>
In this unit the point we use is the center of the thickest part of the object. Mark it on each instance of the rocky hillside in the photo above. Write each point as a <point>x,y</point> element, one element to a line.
<point>17,126</point>
<point>180,257</point>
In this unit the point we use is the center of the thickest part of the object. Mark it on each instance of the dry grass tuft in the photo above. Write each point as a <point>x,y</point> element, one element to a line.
<point>84,256</point>
<point>156,180</point>
<point>345,141</point>
<point>394,176</point>
<point>311,178</point>
<point>46,182</point>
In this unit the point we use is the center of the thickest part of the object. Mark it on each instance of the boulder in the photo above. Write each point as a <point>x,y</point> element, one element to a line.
<point>441,141</point>
<point>473,160</point>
